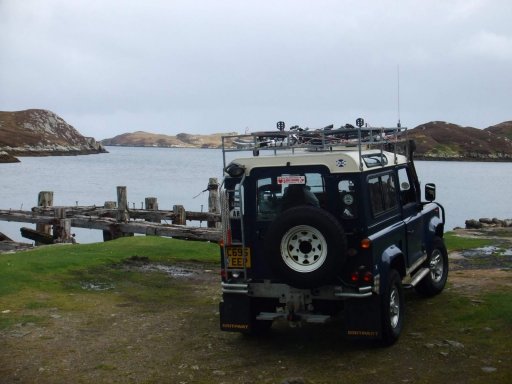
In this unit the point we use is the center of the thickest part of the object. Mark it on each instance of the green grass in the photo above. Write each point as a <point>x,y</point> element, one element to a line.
<point>55,276</point>
<point>455,242</point>
<point>493,309</point>
<point>38,268</point>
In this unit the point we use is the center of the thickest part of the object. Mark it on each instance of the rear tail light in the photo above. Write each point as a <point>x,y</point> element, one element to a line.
<point>366,244</point>
<point>361,276</point>
<point>368,277</point>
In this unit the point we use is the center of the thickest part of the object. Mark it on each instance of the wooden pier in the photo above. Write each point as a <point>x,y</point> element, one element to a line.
<point>116,219</point>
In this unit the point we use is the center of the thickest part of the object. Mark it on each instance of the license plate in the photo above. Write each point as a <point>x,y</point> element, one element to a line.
<point>236,255</point>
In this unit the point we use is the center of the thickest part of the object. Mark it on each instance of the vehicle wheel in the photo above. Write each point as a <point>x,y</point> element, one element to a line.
<point>305,246</point>
<point>392,309</point>
<point>437,262</point>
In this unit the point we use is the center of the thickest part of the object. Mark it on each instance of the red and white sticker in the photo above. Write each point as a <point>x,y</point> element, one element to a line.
<point>291,179</point>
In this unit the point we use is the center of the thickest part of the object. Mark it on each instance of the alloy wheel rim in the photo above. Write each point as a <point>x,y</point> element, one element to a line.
<point>436,266</point>
<point>394,307</point>
<point>303,249</point>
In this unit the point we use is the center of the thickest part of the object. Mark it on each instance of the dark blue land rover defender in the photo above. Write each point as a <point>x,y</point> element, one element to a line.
<point>324,224</point>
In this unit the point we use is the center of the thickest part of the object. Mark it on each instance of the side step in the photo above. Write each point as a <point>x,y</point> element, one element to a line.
<point>417,277</point>
<point>307,317</point>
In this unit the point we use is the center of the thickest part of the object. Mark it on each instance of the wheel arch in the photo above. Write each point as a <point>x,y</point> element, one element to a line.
<point>392,258</point>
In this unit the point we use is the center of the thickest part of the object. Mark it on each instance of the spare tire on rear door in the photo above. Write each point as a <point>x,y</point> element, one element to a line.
<point>305,246</point>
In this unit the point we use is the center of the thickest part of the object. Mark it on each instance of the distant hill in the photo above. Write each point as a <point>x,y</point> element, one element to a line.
<point>37,132</point>
<point>439,140</point>
<point>503,129</point>
<point>181,140</point>
<point>436,140</point>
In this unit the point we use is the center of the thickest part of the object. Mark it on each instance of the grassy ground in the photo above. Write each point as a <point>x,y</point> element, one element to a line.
<point>115,312</point>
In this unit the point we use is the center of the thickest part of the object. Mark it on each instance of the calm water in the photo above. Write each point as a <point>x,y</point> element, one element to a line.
<point>176,176</point>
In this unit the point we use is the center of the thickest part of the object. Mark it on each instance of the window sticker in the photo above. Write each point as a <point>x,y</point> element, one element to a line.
<point>289,179</point>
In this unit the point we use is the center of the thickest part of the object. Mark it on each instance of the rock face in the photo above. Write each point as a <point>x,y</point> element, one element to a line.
<point>439,140</point>
<point>37,132</point>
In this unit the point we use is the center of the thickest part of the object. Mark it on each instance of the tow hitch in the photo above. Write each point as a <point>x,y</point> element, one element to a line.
<point>298,308</point>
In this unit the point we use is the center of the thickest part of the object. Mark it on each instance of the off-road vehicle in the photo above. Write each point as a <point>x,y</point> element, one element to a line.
<point>327,224</point>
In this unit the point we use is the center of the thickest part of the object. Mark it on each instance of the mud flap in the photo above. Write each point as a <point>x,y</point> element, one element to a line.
<point>362,318</point>
<point>235,313</point>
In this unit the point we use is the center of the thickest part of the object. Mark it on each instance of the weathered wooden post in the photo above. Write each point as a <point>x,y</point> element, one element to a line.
<point>108,235</point>
<point>110,205</point>
<point>44,199</point>
<point>151,204</point>
<point>213,200</point>
<point>122,205</point>
<point>180,217</point>
<point>62,230</point>
<point>122,215</point>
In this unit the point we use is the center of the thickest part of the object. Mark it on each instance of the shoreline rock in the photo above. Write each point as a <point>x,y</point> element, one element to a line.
<point>8,158</point>
<point>488,223</point>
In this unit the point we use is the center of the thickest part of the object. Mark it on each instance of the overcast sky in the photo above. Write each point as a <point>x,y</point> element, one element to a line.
<point>170,66</point>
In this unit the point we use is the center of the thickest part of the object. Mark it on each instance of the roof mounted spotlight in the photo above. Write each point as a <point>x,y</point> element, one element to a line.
<point>234,170</point>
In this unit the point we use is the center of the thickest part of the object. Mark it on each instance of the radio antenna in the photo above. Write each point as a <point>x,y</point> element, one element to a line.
<point>398,93</point>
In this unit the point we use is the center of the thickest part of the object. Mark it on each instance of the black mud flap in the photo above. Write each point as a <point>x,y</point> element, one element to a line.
<point>362,318</point>
<point>235,313</point>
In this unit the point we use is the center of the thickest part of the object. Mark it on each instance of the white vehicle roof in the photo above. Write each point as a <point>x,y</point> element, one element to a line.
<point>335,161</point>
<point>341,150</point>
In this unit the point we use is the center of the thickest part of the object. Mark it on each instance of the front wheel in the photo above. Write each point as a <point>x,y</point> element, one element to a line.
<point>392,309</point>
<point>437,263</point>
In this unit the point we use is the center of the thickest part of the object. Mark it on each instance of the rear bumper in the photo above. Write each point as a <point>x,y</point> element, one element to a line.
<point>276,290</point>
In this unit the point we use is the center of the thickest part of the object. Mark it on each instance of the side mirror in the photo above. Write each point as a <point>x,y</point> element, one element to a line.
<point>430,192</point>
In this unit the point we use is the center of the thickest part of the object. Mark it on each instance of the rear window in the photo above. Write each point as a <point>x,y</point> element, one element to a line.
<point>278,193</point>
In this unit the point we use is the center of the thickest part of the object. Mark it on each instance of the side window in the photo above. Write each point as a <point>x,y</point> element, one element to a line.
<point>407,193</point>
<point>348,199</point>
<point>389,191</point>
<point>382,193</point>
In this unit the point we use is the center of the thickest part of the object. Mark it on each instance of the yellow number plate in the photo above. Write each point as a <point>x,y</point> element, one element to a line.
<point>236,255</point>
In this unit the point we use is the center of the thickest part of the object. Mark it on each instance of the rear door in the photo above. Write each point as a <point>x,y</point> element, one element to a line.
<point>266,194</point>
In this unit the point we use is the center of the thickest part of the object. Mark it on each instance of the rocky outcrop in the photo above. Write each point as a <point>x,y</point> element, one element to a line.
<point>438,140</point>
<point>37,132</point>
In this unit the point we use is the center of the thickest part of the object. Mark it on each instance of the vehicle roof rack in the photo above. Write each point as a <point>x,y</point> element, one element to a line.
<point>298,140</point>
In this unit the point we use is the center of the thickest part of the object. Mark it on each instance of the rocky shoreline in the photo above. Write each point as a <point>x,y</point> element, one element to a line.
<point>488,223</point>
<point>10,155</point>
<point>7,158</point>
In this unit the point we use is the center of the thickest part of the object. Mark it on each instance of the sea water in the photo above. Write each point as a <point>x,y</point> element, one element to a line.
<point>467,190</point>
